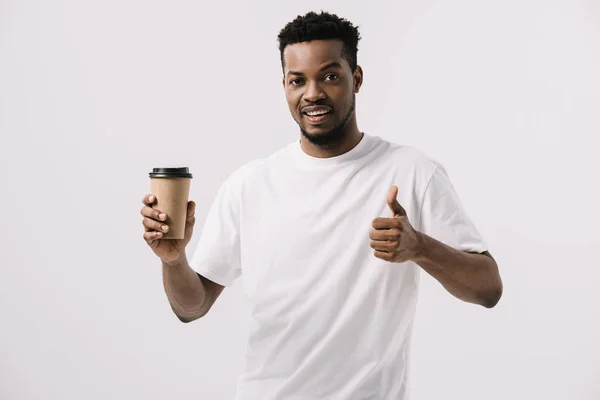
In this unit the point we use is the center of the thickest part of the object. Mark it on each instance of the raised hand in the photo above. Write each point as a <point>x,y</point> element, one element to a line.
<point>394,239</point>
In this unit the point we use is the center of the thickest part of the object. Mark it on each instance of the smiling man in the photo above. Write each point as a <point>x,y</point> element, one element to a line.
<point>321,93</point>
<point>329,234</point>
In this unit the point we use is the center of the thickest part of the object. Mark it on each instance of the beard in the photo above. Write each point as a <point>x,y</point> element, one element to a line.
<point>333,136</point>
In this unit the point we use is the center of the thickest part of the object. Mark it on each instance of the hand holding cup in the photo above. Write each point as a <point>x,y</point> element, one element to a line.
<point>168,250</point>
<point>168,215</point>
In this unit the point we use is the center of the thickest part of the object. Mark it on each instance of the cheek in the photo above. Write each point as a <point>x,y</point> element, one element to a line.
<point>343,96</point>
<point>292,101</point>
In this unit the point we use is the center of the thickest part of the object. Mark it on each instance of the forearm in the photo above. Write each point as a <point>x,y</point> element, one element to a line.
<point>184,289</point>
<point>470,277</point>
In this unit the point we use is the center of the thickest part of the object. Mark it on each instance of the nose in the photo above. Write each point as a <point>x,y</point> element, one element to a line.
<point>314,92</point>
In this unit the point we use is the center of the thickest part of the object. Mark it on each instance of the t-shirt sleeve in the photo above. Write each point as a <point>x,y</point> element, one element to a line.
<point>444,218</point>
<point>217,254</point>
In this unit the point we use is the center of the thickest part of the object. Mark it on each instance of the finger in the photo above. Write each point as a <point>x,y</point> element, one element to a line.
<point>190,219</point>
<point>384,246</point>
<point>191,210</point>
<point>384,234</point>
<point>149,199</point>
<point>153,213</point>
<point>151,236</point>
<point>152,225</point>
<point>383,255</point>
<point>385,223</point>
<point>392,195</point>
<point>392,201</point>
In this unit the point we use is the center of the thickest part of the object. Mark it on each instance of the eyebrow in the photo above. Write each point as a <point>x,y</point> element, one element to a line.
<point>333,64</point>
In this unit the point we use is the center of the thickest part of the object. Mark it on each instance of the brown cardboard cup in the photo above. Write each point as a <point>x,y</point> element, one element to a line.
<point>171,187</point>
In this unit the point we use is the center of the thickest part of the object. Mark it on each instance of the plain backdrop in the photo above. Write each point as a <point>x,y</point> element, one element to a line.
<point>93,95</point>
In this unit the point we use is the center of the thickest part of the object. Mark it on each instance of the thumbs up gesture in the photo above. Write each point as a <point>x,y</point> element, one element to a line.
<point>394,239</point>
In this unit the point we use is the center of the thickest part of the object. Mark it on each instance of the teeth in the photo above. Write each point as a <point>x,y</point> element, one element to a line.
<point>315,113</point>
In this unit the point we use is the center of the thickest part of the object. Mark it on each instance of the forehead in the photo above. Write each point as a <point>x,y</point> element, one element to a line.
<point>312,55</point>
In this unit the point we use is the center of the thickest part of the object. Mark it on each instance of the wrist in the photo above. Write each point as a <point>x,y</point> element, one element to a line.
<point>420,251</point>
<point>179,262</point>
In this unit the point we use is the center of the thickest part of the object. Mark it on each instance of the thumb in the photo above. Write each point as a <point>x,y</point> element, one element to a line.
<point>190,218</point>
<point>392,201</point>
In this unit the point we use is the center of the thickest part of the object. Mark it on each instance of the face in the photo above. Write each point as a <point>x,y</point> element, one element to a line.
<point>320,89</point>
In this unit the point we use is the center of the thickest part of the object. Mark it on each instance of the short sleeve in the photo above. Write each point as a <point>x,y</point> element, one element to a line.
<point>444,218</point>
<point>217,254</point>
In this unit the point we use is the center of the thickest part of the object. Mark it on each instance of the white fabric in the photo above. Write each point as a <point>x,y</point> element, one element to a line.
<point>330,320</point>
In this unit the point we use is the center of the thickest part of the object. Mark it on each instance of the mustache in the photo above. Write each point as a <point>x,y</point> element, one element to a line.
<point>315,103</point>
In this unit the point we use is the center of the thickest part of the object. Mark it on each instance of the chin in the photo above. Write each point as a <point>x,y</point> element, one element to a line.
<point>316,130</point>
<point>324,137</point>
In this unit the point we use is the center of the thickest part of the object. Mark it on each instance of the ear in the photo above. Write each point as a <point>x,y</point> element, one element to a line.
<point>358,78</point>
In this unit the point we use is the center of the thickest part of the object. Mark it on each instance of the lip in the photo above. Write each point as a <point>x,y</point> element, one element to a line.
<point>317,120</point>
<point>316,108</point>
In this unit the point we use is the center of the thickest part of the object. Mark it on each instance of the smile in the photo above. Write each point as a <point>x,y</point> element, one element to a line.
<point>316,116</point>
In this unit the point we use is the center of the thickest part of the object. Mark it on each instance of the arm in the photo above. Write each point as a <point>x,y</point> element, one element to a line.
<point>472,277</point>
<point>190,294</point>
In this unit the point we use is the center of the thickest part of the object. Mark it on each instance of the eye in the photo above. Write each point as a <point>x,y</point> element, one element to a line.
<point>332,77</point>
<point>296,82</point>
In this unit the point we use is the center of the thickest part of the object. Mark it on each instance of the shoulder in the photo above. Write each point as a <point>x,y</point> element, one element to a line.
<point>409,158</point>
<point>256,168</point>
<point>243,172</point>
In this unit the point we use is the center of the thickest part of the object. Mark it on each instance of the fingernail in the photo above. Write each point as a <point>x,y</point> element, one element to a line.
<point>162,216</point>
<point>150,198</point>
<point>165,228</point>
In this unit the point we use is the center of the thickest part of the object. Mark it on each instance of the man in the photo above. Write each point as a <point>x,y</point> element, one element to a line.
<point>329,234</point>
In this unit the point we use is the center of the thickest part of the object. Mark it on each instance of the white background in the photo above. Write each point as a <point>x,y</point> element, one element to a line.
<point>506,94</point>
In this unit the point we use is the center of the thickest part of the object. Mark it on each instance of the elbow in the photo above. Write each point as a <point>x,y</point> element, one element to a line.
<point>491,297</point>
<point>187,317</point>
<point>185,320</point>
<point>492,293</point>
<point>491,302</point>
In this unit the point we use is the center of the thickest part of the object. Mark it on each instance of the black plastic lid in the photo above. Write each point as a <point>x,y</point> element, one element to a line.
<point>182,172</point>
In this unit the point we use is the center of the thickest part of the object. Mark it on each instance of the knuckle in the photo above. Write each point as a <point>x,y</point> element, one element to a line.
<point>149,223</point>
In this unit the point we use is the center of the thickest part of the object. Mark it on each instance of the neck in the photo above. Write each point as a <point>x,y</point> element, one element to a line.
<point>348,142</point>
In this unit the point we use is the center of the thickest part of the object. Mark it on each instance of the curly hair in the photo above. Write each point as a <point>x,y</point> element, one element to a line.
<point>323,26</point>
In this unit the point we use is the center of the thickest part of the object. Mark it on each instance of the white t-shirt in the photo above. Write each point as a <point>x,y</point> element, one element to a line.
<point>329,319</point>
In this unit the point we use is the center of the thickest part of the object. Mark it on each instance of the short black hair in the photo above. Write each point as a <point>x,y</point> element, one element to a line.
<point>323,26</point>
